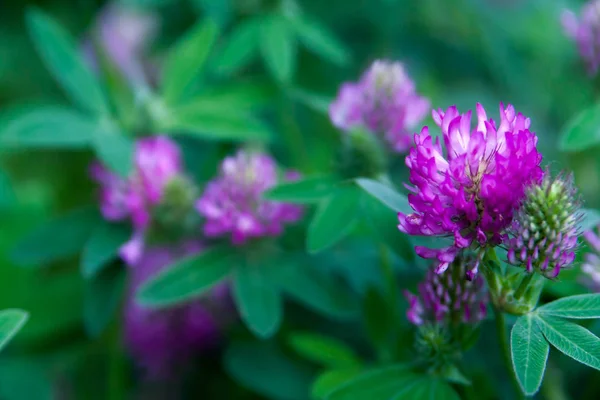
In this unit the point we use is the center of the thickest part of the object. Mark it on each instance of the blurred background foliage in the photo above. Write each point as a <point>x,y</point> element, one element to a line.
<point>458,51</point>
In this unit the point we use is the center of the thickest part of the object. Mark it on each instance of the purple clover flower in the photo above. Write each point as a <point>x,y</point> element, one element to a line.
<point>448,298</point>
<point>384,101</point>
<point>545,228</point>
<point>232,203</point>
<point>157,160</point>
<point>469,187</point>
<point>591,261</point>
<point>585,31</point>
<point>161,340</point>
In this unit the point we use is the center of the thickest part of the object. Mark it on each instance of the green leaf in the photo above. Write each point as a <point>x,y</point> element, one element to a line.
<point>11,321</point>
<point>323,350</point>
<point>187,278</point>
<point>330,380</point>
<point>591,218</point>
<point>316,102</point>
<point>583,131</point>
<point>427,388</point>
<point>262,368</point>
<point>451,373</point>
<point>529,350</point>
<point>305,191</point>
<point>114,149</point>
<point>578,307</point>
<point>278,46</point>
<point>379,319</point>
<point>186,59</point>
<point>241,47</point>
<point>102,247</point>
<point>215,124</point>
<point>240,95</point>
<point>219,10</point>
<point>384,226</point>
<point>318,39</point>
<point>101,300</point>
<point>7,193</point>
<point>572,339</point>
<point>59,238</point>
<point>387,195</point>
<point>61,56</point>
<point>48,127</point>
<point>334,219</point>
<point>318,291</point>
<point>257,300</point>
<point>379,384</point>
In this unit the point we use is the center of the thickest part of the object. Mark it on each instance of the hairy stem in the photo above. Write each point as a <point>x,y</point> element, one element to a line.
<point>523,286</point>
<point>502,334</point>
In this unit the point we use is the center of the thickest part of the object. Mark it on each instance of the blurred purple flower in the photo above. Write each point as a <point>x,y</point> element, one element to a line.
<point>384,101</point>
<point>585,31</point>
<point>545,228</point>
<point>591,261</point>
<point>448,298</point>
<point>162,340</point>
<point>157,160</point>
<point>232,203</point>
<point>123,34</point>
<point>470,191</point>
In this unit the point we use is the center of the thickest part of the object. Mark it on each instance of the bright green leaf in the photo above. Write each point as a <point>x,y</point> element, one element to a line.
<point>61,56</point>
<point>319,40</point>
<point>102,247</point>
<point>240,48</point>
<point>257,300</point>
<point>330,380</point>
<point>334,219</point>
<point>573,340</point>
<point>187,278</point>
<point>186,59</point>
<point>387,195</point>
<point>308,190</point>
<point>59,238</point>
<point>323,350</point>
<point>11,321</point>
<point>101,299</point>
<point>379,384</point>
<point>278,46</point>
<point>577,307</point>
<point>529,350</point>
<point>583,131</point>
<point>48,127</point>
<point>114,149</point>
<point>262,368</point>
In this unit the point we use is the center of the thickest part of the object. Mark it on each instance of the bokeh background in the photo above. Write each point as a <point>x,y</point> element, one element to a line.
<point>458,52</point>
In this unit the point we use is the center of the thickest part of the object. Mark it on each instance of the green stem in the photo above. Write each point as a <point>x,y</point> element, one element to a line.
<point>523,286</point>
<point>501,332</point>
<point>293,137</point>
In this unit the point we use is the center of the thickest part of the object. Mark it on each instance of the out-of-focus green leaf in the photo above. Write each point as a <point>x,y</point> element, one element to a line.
<point>332,379</point>
<point>25,378</point>
<point>59,52</point>
<point>318,291</point>
<point>186,60</point>
<point>187,278</point>
<point>262,368</point>
<point>240,48</point>
<point>323,350</point>
<point>11,322</point>
<point>219,10</point>
<point>211,123</point>
<point>305,191</point>
<point>529,350</point>
<point>317,102</point>
<point>59,238</point>
<point>378,384</point>
<point>114,148</point>
<point>387,195</point>
<point>101,299</point>
<point>582,132</point>
<point>48,127</point>
<point>241,96</point>
<point>379,320</point>
<point>102,247</point>
<point>334,219</point>
<point>573,340</point>
<point>257,300</point>
<point>7,194</point>
<point>278,47</point>
<point>319,40</point>
<point>578,307</point>
<point>590,220</point>
<point>427,388</point>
